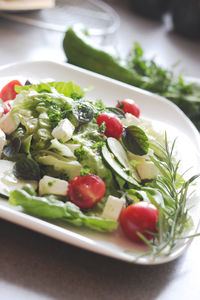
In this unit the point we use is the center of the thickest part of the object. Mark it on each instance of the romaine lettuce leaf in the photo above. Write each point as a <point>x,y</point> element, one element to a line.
<point>51,208</point>
<point>62,149</point>
<point>30,100</point>
<point>69,166</point>
<point>68,89</point>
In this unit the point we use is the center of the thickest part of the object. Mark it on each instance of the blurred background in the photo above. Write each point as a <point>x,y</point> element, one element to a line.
<point>169,31</point>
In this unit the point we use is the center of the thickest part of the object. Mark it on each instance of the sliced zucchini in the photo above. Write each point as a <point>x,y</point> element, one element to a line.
<point>120,155</point>
<point>115,166</point>
<point>118,151</point>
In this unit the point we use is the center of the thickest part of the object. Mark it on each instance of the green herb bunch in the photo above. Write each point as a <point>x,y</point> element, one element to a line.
<point>164,82</point>
<point>174,217</point>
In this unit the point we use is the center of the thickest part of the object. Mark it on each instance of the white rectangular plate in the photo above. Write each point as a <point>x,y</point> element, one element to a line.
<point>168,115</point>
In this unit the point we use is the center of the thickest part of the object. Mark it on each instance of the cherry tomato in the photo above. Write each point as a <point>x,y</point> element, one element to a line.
<point>7,105</point>
<point>139,217</point>
<point>8,91</point>
<point>114,127</point>
<point>129,106</point>
<point>86,191</point>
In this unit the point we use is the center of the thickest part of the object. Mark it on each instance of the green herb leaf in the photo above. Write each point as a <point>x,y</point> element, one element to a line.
<point>83,113</point>
<point>102,128</point>
<point>171,198</point>
<point>50,183</point>
<point>85,172</point>
<point>117,111</point>
<point>12,149</point>
<point>135,140</point>
<point>27,169</point>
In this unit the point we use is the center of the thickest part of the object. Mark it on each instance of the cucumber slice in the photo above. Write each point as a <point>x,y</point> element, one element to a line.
<point>115,166</point>
<point>120,154</point>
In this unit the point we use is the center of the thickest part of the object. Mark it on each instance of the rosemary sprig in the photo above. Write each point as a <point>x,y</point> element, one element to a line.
<point>173,215</point>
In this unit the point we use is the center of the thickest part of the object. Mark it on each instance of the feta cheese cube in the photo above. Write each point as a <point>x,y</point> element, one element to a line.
<point>130,120</point>
<point>52,185</point>
<point>113,208</point>
<point>8,123</point>
<point>64,130</point>
<point>147,170</point>
<point>2,141</point>
<point>150,153</point>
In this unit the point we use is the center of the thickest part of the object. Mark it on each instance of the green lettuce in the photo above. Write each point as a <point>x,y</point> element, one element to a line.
<point>68,89</point>
<point>61,149</point>
<point>69,166</point>
<point>51,208</point>
<point>38,114</point>
<point>31,102</point>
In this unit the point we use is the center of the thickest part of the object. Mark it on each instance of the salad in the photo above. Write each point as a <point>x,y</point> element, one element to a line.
<point>64,157</point>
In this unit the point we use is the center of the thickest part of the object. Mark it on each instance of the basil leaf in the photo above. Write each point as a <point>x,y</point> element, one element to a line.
<point>12,148</point>
<point>117,111</point>
<point>83,113</point>
<point>135,140</point>
<point>27,82</point>
<point>27,169</point>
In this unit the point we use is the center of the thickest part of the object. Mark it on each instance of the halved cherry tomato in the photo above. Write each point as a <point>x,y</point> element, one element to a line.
<point>114,127</point>
<point>139,217</point>
<point>7,105</point>
<point>129,106</point>
<point>86,191</point>
<point>8,91</point>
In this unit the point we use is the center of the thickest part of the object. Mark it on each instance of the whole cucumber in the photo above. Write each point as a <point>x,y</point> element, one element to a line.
<point>80,51</point>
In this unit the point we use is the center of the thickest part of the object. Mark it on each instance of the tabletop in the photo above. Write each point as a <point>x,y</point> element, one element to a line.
<point>33,266</point>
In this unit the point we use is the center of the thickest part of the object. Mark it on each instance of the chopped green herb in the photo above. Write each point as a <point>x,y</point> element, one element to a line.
<point>80,153</point>
<point>98,145</point>
<point>50,183</point>
<point>85,172</point>
<point>102,128</point>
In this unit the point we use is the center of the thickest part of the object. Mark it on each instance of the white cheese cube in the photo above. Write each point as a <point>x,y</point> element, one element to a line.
<point>52,185</point>
<point>150,153</point>
<point>147,170</point>
<point>113,208</point>
<point>130,120</point>
<point>2,141</point>
<point>8,123</point>
<point>64,130</point>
